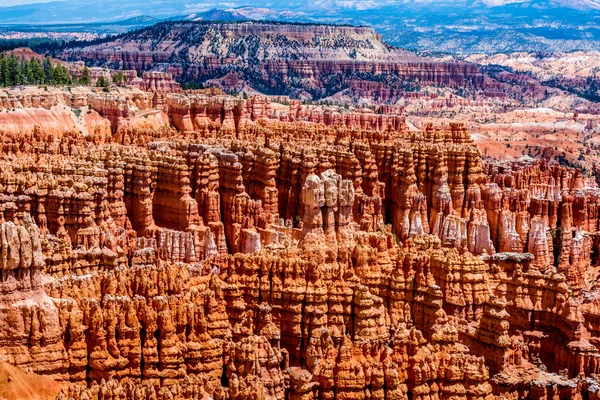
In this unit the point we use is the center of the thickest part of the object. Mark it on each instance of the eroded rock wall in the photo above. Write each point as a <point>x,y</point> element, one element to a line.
<point>247,254</point>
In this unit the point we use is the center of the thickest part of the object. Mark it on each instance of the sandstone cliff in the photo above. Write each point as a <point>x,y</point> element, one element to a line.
<point>295,59</point>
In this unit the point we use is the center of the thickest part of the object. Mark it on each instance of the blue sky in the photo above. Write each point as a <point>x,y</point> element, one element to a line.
<point>8,3</point>
<point>298,4</point>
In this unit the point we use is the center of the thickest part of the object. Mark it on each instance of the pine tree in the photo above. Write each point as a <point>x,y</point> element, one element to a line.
<point>48,70</point>
<point>118,78</point>
<point>67,79</point>
<point>60,75</point>
<point>102,82</point>
<point>4,70</point>
<point>15,74</point>
<point>37,72</point>
<point>27,71</point>
<point>85,77</point>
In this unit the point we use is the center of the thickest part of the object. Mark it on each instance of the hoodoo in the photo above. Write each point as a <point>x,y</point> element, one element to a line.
<point>244,210</point>
<point>195,245</point>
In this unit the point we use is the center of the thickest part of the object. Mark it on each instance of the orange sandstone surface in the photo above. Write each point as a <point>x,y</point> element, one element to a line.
<point>164,244</point>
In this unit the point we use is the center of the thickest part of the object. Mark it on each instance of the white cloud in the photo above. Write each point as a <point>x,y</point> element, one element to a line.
<point>496,3</point>
<point>583,4</point>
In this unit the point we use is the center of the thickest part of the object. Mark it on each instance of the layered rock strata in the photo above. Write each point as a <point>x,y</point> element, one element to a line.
<point>297,59</point>
<point>241,253</point>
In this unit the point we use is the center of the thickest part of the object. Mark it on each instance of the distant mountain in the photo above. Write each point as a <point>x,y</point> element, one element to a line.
<point>211,15</point>
<point>142,19</point>
<point>455,26</point>
<point>77,11</point>
<point>244,14</point>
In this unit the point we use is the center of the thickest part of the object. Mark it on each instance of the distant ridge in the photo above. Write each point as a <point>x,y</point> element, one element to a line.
<point>299,59</point>
<point>142,19</point>
<point>431,26</point>
<point>211,15</point>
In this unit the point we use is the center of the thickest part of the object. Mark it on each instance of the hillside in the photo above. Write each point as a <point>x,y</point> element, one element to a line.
<point>308,60</point>
<point>16,384</point>
<point>575,72</point>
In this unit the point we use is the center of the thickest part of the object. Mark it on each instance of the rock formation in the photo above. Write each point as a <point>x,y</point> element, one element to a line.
<point>297,59</point>
<point>249,250</point>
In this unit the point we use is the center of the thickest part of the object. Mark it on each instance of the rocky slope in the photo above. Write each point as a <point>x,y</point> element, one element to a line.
<point>297,59</point>
<point>575,72</point>
<point>17,384</point>
<point>251,249</point>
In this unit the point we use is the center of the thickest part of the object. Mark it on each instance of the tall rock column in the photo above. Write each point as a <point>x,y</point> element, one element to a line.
<point>313,235</point>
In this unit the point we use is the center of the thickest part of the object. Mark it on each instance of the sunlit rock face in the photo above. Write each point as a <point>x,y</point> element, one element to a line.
<point>303,60</point>
<point>239,252</point>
